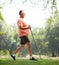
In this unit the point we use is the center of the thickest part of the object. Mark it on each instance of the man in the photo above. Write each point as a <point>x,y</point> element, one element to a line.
<point>23,32</point>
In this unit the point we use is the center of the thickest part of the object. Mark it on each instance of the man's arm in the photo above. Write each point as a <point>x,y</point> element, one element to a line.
<point>24,28</point>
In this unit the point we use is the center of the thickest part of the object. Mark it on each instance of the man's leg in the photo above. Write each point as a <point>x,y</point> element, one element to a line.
<point>30,51</point>
<point>17,50</point>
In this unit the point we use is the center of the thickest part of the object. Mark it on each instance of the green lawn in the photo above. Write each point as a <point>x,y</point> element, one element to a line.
<point>28,62</point>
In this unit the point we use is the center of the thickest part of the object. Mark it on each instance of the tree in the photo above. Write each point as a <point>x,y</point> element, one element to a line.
<point>52,28</point>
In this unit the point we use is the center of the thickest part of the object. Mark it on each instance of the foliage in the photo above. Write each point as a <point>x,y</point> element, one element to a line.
<point>1,17</point>
<point>52,30</point>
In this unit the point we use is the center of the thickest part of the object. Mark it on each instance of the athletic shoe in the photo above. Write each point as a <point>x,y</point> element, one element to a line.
<point>12,56</point>
<point>33,59</point>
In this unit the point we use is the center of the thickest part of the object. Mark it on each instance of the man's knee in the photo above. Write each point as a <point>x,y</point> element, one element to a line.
<point>29,45</point>
<point>21,46</point>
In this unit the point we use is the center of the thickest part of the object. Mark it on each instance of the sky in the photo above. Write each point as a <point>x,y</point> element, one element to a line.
<point>35,16</point>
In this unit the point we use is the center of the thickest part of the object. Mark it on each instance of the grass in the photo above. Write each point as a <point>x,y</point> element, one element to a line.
<point>28,62</point>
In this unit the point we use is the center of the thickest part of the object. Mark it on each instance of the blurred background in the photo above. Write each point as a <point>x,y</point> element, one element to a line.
<point>42,15</point>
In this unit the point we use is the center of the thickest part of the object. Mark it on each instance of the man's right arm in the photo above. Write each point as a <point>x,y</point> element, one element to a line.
<point>24,28</point>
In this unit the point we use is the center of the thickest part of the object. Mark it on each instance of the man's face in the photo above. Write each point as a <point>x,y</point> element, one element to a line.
<point>22,14</point>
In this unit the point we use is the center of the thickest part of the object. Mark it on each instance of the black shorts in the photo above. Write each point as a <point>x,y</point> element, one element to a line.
<point>24,40</point>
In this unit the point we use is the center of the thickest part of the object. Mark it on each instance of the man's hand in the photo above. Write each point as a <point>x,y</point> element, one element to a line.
<point>29,26</point>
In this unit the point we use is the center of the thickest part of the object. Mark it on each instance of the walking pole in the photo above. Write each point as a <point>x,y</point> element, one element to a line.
<point>34,39</point>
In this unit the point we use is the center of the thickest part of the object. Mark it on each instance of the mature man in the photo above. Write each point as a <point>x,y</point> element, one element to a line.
<point>23,32</point>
